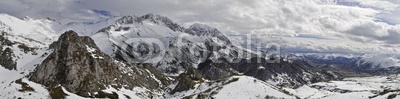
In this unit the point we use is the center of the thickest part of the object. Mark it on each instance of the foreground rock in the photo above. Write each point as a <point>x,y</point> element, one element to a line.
<point>81,68</point>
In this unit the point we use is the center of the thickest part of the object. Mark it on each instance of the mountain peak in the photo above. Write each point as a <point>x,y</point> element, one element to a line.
<point>151,16</point>
<point>162,19</point>
<point>69,35</point>
<point>9,20</point>
<point>47,19</point>
<point>157,19</point>
<point>201,26</point>
<point>5,15</point>
<point>205,30</point>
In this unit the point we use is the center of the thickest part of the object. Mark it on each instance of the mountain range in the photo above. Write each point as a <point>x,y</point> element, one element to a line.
<point>151,56</point>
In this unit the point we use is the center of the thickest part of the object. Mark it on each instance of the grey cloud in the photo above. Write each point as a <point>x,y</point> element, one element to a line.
<point>393,37</point>
<point>376,32</point>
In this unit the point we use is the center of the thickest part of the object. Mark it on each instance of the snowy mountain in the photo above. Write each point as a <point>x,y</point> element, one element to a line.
<point>375,64</point>
<point>150,56</point>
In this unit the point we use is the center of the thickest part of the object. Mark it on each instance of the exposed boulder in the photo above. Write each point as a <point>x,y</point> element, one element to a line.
<point>6,59</point>
<point>6,53</point>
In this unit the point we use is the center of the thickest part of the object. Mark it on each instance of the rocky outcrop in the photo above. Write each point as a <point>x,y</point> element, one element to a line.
<point>212,71</point>
<point>6,59</point>
<point>6,53</point>
<point>80,67</point>
<point>188,80</point>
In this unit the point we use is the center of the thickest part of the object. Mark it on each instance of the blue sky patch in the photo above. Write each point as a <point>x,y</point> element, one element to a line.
<point>102,12</point>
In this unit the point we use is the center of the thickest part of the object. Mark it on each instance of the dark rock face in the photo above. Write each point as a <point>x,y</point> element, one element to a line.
<point>187,80</point>
<point>213,71</point>
<point>153,18</point>
<point>6,59</point>
<point>285,73</point>
<point>4,41</point>
<point>78,65</point>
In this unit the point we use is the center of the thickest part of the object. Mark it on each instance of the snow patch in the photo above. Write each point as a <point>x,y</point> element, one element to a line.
<point>92,52</point>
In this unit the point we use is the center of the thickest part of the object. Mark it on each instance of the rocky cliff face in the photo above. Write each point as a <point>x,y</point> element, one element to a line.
<point>80,67</point>
<point>6,59</point>
<point>6,53</point>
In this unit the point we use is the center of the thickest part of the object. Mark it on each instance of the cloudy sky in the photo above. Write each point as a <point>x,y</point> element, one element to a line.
<point>364,23</point>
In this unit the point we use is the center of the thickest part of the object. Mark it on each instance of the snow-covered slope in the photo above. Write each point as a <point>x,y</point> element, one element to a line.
<point>236,87</point>
<point>248,87</point>
<point>88,28</point>
<point>377,87</point>
<point>41,30</point>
